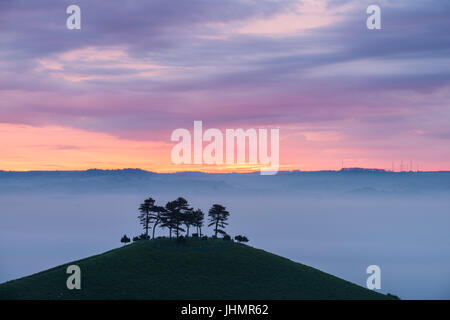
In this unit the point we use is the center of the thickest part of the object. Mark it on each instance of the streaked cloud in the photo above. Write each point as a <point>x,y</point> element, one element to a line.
<point>142,69</point>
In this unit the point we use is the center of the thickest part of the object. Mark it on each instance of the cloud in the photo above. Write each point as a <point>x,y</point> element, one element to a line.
<point>139,70</point>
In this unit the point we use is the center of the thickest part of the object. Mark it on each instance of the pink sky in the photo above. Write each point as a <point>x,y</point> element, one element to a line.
<point>109,95</point>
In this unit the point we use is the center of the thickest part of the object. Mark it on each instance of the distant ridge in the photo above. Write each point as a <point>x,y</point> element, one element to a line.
<point>137,171</point>
<point>363,170</point>
<point>370,181</point>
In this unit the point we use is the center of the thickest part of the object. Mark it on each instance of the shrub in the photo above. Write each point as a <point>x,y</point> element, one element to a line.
<point>214,237</point>
<point>141,237</point>
<point>226,238</point>
<point>195,235</point>
<point>125,239</point>
<point>240,238</point>
<point>144,237</point>
<point>204,238</point>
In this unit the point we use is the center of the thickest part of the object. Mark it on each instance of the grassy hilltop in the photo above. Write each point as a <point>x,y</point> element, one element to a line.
<point>199,269</point>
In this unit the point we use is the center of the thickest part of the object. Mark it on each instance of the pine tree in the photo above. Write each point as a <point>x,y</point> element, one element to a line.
<point>177,214</point>
<point>145,209</point>
<point>218,216</point>
<point>157,214</point>
<point>198,218</point>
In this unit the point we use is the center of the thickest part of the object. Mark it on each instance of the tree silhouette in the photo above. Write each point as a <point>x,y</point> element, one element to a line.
<point>173,217</point>
<point>178,217</point>
<point>188,219</point>
<point>157,214</point>
<point>144,237</point>
<point>241,239</point>
<point>167,221</point>
<point>198,218</point>
<point>145,209</point>
<point>141,237</point>
<point>217,218</point>
<point>125,239</point>
<point>177,213</point>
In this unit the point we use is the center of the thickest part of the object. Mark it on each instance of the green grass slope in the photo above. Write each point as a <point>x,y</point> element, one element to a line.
<point>212,269</point>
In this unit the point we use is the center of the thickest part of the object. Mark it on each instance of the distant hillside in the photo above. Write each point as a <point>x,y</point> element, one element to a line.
<point>211,269</point>
<point>365,170</point>
<point>338,183</point>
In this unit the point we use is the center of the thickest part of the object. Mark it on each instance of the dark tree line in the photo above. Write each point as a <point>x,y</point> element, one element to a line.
<point>150,214</point>
<point>178,217</point>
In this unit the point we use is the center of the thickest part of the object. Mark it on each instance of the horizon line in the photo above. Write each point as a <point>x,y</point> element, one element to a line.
<point>352,169</point>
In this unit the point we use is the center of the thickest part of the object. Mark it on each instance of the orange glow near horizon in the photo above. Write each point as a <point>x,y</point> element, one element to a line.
<point>59,148</point>
<point>29,148</point>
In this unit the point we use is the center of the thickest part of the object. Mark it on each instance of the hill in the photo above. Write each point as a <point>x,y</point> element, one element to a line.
<point>309,183</point>
<point>212,269</point>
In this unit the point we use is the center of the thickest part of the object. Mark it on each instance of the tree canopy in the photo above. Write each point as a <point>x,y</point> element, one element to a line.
<point>178,216</point>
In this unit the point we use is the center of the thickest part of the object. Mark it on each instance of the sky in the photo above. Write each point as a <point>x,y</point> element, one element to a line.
<point>110,94</point>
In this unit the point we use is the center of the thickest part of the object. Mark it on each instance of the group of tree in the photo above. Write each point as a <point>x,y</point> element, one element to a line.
<point>178,217</point>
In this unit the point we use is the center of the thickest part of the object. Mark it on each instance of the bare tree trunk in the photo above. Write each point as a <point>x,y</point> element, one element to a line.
<point>154,227</point>
<point>146,226</point>
<point>217,223</point>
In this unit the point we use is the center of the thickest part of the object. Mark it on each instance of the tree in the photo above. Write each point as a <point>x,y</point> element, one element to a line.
<point>167,221</point>
<point>241,239</point>
<point>172,218</point>
<point>198,218</point>
<point>141,237</point>
<point>125,239</point>
<point>145,209</point>
<point>177,213</point>
<point>157,217</point>
<point>144,237</point>
<point>188,219</point>
<point>218,216</point>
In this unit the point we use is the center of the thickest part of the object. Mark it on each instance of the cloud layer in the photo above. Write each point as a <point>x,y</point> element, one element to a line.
<point>138,70</point>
